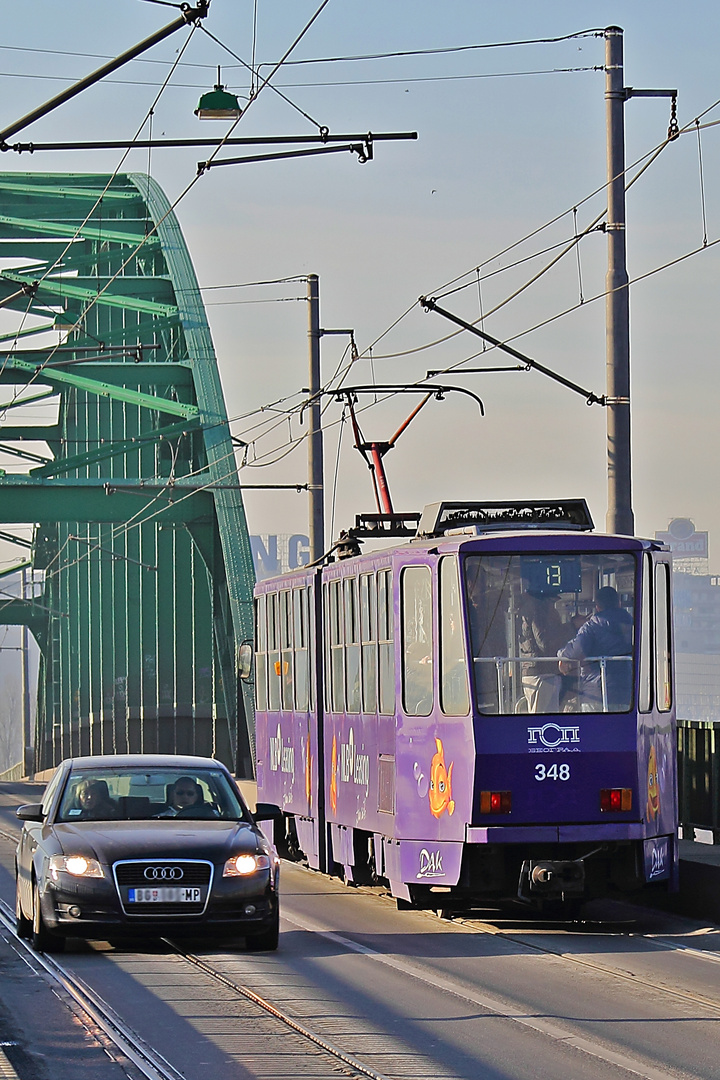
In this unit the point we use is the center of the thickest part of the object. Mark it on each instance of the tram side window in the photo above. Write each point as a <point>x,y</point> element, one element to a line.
<point>352,646</point>
<point>286,656</point>
<point>663,672</point>
<point>416,591</point>
<point>386,656</point>
<point>260,654</point>
<point>274,669</point>
<point>337,695</point>
<point>368,638</point>
<point>454,695</point>
<point>645,698</point>
<point>326,681</point>
<point>300,641</point>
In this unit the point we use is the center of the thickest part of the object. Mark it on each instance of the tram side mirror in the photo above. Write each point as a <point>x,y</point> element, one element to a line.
<point>30,812</point>
<point>267,811</point>
<point>245,659</point>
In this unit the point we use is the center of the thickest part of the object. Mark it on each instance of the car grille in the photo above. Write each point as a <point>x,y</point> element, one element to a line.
<point>168,873</point>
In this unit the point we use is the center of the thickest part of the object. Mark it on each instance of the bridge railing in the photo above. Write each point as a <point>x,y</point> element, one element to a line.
<point>699,777</point>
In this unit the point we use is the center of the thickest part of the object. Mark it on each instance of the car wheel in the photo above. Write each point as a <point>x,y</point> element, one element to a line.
<point>23,925</point>
<point>41,939</point>
<point>267,941</point>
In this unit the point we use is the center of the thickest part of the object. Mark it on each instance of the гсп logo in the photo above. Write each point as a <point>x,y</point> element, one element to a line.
<point>553,735</point>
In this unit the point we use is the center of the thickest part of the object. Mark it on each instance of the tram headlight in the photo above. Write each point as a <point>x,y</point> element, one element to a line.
<point>242,865</point>
<point>77,865</point>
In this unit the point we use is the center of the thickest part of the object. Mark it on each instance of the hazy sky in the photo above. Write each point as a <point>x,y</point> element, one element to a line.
<point>499,154</point>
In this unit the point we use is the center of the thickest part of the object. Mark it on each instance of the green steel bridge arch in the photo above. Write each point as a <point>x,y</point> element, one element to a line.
<point>139,529</point>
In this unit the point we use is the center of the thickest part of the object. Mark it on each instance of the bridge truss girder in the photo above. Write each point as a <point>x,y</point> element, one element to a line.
<point>139,525</point>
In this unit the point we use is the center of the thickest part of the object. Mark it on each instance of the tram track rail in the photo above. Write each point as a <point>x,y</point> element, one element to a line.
<point>155,1067</point>
<point>659,942</point>
<point>149,1063</point>
<point>606,969</point>
<point>145,1058</point>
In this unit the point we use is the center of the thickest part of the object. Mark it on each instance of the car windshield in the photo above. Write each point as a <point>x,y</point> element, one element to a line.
<point>552,633</point>
<point>135,794</point>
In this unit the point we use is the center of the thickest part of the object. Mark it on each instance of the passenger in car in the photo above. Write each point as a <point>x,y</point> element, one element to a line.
<point>94,801</point>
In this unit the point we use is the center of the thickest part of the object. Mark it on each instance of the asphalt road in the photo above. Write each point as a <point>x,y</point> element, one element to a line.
<point>408,994</point>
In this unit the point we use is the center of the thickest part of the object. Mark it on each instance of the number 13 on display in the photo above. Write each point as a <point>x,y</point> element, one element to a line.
<point>554,772</point>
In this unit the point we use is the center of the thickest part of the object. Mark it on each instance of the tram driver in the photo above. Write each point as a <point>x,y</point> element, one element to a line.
<point>600,646</point>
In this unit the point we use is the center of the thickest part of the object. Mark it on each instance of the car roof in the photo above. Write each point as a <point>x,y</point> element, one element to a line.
<point>141,761</point>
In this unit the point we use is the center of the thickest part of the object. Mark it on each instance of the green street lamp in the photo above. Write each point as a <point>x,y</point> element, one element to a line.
<point>218,104</point>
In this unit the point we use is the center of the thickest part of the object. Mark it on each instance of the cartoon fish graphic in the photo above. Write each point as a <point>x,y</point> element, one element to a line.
<point>653,798</point>
<point>333,776</point>
<point>440,791</point>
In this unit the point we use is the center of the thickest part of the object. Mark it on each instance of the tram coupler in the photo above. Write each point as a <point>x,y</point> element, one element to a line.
<point>550,878</point>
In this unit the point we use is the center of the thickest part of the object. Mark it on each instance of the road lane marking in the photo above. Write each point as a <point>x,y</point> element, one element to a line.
<point>502,1009</point>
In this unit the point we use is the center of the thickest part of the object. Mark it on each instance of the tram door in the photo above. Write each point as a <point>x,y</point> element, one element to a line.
<point>287,721</point>
<point>657,771</point>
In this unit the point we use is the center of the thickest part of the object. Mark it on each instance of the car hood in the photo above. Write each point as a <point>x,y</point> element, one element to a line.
<point>109,841</point>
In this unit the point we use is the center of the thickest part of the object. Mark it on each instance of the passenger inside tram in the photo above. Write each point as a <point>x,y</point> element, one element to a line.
<point>542,634</point>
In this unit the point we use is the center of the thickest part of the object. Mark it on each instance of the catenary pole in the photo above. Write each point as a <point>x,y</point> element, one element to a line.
<point>620,518</point>
<point>315,439</point>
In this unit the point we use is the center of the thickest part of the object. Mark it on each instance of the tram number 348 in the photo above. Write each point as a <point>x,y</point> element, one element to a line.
<point>553,772</point>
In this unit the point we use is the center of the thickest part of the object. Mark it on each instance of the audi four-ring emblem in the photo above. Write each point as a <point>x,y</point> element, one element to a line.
<point>163,873</point>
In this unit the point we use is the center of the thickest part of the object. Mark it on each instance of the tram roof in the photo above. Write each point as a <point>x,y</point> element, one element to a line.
<point>467,541</point>
<point>541,540</point>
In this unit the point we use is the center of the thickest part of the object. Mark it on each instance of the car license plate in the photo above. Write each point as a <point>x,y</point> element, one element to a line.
<point>170,894</point>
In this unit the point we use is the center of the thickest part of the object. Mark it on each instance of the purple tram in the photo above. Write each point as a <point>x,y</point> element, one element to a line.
<point>483,712</point>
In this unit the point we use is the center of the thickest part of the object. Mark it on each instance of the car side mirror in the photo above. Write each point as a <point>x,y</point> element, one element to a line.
<point>30,812</point>
<point>267,811</point>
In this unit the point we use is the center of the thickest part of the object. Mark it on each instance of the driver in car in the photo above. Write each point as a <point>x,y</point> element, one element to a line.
<point>186,799</point>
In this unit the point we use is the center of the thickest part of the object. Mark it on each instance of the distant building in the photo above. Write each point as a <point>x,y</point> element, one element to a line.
<point>689,547</point>
<point>697,622</point>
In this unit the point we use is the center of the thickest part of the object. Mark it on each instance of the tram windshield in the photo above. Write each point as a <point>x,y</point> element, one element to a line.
<point>552,633</point>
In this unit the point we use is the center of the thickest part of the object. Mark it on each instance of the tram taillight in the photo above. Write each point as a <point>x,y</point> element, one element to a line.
<point>615,799</point>
<point>495,802</point>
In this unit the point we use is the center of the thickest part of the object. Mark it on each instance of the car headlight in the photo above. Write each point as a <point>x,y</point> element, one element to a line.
<point>77,865</point>
<point>242,865</point>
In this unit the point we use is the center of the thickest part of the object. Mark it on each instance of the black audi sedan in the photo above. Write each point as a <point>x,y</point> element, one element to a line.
<point>144,845</point>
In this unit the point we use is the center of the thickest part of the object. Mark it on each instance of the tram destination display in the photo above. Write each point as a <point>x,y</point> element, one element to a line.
<point>548,575</point>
